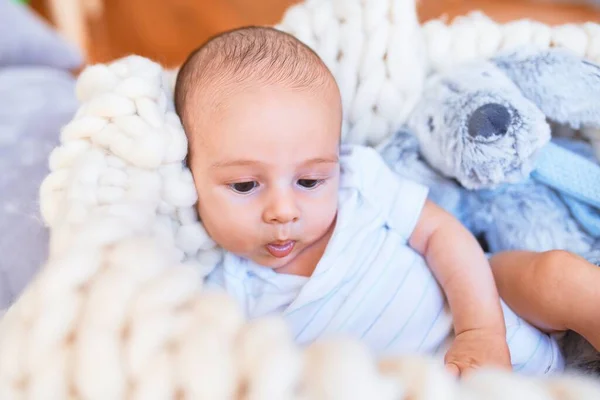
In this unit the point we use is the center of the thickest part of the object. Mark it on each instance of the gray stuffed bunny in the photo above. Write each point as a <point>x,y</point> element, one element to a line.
<point>481,140</point>
<point>482,133</point>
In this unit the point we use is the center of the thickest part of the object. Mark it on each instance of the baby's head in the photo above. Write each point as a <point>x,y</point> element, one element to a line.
<point>262,114</point>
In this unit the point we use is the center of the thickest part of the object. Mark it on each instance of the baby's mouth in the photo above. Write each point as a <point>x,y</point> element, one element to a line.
<point>281,249</point>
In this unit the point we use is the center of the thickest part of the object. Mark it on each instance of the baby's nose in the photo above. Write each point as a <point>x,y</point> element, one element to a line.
<point>488,121</point>
<point>281,210</point>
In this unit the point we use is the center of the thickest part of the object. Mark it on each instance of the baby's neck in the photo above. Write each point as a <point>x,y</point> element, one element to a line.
<point>305,263</point>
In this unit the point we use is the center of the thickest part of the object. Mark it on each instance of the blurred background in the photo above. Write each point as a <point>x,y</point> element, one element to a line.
<point>166,30</point>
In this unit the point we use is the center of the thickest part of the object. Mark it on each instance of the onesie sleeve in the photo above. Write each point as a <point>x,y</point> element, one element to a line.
<point>397,200</point>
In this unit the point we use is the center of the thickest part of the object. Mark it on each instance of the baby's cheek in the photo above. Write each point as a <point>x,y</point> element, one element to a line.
<point>216,217</point>
<point>237,229</point>
<point>321,213</point>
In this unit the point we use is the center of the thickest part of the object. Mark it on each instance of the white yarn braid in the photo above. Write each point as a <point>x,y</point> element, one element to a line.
<point>119,311</point>
<point>476,36</point>
<point>122,156</point>
<point>375,50</point>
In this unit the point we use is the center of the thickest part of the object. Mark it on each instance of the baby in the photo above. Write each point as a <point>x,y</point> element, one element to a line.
<point>329,237</point>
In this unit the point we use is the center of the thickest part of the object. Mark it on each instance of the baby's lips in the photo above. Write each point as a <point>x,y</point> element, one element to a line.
<point>280,249</point>
<point>279,242</point>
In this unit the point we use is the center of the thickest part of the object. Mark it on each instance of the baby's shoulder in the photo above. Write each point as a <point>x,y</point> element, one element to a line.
<point>365,167</point>
<point>373,190</point>
<point>366,183</point>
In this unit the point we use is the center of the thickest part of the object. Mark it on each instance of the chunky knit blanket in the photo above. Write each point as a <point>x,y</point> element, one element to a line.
<point>119,311</point>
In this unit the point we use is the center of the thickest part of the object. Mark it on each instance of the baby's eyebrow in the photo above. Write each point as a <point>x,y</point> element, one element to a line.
<point>247,163</point>
<point>322,160</point>
<point>235,163</point>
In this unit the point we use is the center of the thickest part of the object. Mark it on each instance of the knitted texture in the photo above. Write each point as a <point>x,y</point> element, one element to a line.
<point>375,50</point>
<point>475,36</point>
<point>119,312</point>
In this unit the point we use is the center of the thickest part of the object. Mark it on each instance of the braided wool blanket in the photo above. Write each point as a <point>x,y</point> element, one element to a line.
<point>119,312</point>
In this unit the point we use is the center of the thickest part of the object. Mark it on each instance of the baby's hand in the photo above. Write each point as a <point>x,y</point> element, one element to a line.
<point>476,348</point>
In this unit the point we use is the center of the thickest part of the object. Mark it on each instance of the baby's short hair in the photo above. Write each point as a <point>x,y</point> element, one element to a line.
<point>256,54</point>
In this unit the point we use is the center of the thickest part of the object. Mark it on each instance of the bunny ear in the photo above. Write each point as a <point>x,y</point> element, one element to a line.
<point>563,85</point>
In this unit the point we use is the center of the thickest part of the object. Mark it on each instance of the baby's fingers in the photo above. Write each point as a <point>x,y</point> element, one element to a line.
<point>460,369</point>
<point>453,369</point>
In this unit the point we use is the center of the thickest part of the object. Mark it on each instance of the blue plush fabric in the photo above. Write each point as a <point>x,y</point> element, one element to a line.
<point>483,128</point>
<point>473,124</point>
<point>576,179</point>
<point>562,85</point>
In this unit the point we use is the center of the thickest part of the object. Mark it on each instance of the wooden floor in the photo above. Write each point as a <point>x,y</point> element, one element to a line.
<point>166,30</point>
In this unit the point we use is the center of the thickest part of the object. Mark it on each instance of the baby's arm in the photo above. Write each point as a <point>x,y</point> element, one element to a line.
<point>462,269</point>
<point>553,290</point>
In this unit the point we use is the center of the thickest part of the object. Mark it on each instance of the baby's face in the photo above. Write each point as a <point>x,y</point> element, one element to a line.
<point>266,170</point>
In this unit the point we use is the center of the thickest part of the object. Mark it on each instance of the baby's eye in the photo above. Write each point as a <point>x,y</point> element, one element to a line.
<point>244,187</point>
<point>309,183</point>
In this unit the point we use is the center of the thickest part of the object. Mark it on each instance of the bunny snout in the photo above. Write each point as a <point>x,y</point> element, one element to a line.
<point>489,121</point>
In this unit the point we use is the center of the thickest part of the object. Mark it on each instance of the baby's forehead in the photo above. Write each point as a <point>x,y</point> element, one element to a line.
<point>213,95</point>
<point>242,119</point>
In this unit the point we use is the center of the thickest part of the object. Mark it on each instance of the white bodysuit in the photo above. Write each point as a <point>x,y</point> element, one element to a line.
<point>370,284</point>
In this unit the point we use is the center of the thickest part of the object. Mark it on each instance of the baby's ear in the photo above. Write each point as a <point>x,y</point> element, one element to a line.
<point>565,87</point>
